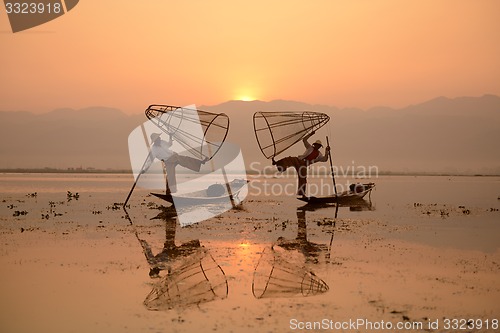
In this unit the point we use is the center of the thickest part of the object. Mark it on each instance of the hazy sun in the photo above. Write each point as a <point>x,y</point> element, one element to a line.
<point>246,98</point>
<point>247,93</point>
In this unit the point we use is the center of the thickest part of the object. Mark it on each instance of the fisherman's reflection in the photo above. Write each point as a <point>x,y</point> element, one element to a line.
<point>190,274</point>
<point>310,250</point>
<point>170,252</point>
<point>281,274</point>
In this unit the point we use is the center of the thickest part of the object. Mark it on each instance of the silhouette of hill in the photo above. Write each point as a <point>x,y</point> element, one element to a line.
<point>91,137</point>
<point>457,135</point>
<point>441,135</point>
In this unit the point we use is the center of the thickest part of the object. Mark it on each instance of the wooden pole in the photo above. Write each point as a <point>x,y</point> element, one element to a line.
<point>228,187</point>
<point>331,166</point>
<point>136,180</point>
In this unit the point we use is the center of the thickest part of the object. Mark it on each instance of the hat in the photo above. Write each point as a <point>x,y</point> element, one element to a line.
<point>154,136</point>
<point>318,142</point>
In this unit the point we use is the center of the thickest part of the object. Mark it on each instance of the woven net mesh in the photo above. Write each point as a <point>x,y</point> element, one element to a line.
<point>278,131</point>
<point>201,133</point>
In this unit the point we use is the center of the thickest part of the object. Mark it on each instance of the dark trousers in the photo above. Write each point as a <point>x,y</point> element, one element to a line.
<point>300,166</point>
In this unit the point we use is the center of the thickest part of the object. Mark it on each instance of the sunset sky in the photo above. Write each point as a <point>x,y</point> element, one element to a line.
<point>129,54</point>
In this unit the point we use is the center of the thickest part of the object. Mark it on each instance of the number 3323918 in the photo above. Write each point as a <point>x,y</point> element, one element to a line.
<point>32,8</point>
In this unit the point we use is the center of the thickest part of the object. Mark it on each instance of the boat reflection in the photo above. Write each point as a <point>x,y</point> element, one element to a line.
<point>182,275</point>
<point>354,205</point>
<point>359,205</point>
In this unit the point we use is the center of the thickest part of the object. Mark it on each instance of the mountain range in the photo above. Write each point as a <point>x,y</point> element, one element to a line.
<point>443,135</point>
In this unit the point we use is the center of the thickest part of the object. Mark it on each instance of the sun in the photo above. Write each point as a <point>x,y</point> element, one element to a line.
<point>247,93</point>
<point>246,98</point>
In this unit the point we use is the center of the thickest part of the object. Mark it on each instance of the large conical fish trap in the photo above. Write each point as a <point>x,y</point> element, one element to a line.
<point>275,277</point>
<point>201,133</point>
<point>278,131</point>
<point>198,280</point>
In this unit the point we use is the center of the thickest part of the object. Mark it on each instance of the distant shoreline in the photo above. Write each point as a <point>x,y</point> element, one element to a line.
<point>76,170</point>
<point>125,171</point>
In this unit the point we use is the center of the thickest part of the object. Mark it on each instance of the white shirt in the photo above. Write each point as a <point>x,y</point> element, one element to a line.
<point>160,150</point>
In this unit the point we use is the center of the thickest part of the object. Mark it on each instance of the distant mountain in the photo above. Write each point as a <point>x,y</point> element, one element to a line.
<point>91,137</point>
<point>458,135</point>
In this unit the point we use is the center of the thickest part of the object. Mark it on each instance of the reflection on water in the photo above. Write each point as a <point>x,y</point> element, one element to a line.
<point>275,276</point>
<point>87,279</point>
<point>192,276</point>
<point>195,279</point>
<point>310,250</point>
<point>187,274</point>
<point>354,205</point>
<point>280,272</point>
<point>170,252</point>
<point>359,205</point>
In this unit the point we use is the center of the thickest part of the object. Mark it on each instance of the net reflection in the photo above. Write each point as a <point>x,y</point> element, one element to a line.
<point>196,279</point>
<point>275,276</point>
<point>182,275</point>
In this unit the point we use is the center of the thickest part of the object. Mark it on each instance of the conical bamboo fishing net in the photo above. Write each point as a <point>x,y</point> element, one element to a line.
<point>201,133</point>
<point>278,131</point>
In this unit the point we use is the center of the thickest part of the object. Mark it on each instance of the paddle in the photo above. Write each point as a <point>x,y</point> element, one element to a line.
<point>136,180</point>
<point>228,187</point>
<point>331,165</point>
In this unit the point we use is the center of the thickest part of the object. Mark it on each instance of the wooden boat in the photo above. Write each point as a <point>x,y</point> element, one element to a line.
<point>216,193</point>
<point>356,192</point>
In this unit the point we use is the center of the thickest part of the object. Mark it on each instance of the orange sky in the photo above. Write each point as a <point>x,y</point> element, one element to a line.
<point>129,54</point>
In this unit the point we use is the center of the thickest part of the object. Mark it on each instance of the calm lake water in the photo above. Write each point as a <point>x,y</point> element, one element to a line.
<point>81,264</point>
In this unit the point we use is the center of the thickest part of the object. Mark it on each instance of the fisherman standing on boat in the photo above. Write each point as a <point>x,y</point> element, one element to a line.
<point>160,149</point>
<point>301,162</point>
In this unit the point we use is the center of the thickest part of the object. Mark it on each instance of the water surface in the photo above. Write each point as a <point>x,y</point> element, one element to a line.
<point>82,264</point>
